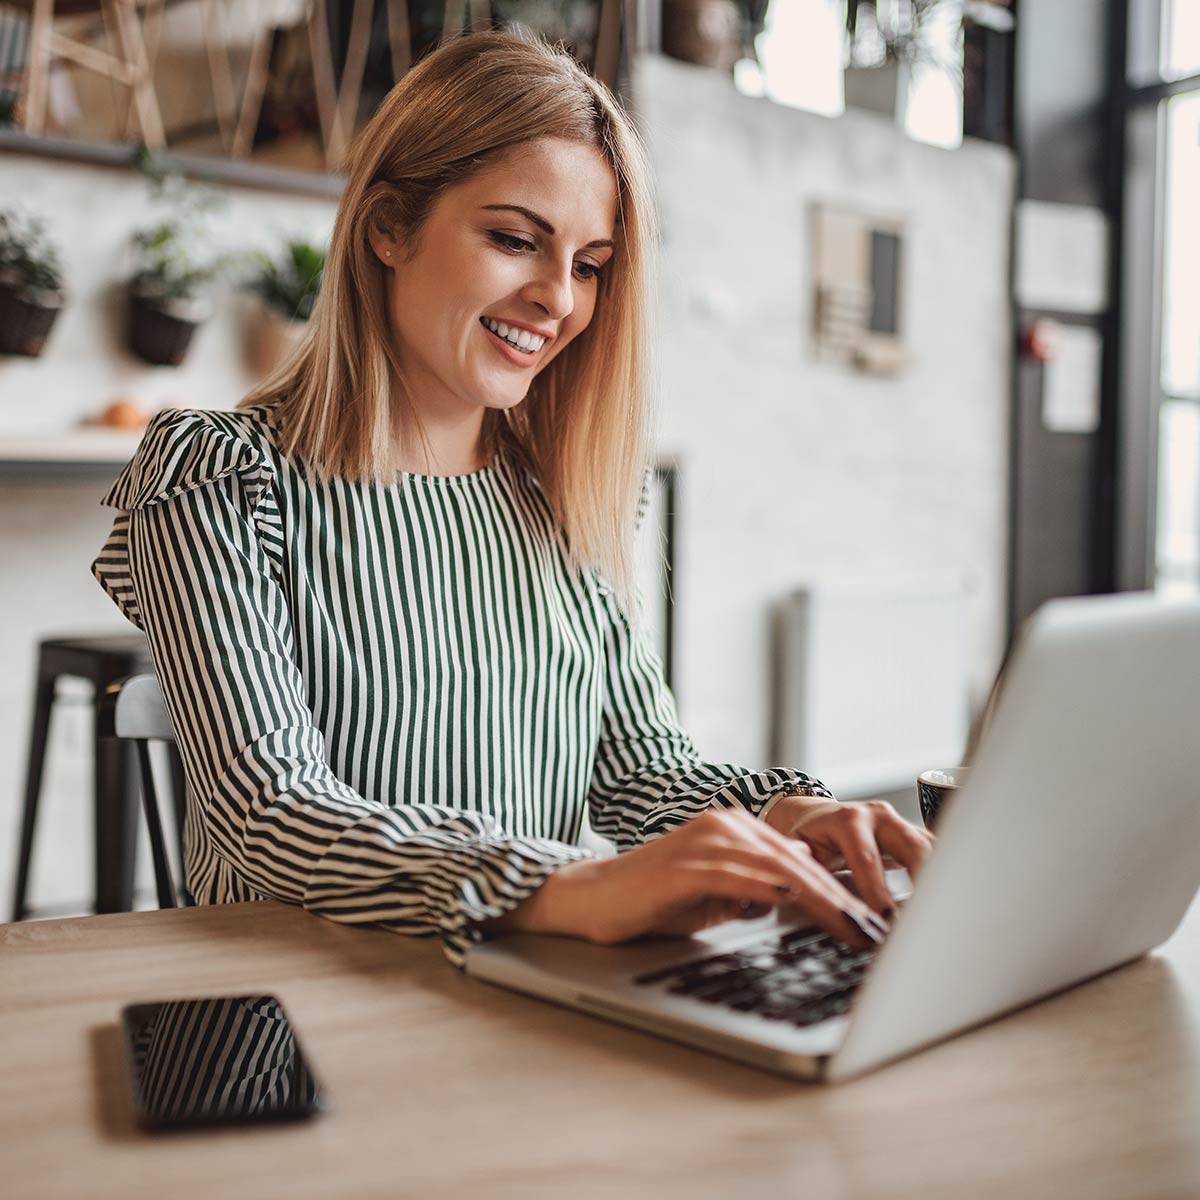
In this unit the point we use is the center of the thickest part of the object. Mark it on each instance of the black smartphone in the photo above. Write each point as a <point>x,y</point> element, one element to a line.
<point>217,1060</point>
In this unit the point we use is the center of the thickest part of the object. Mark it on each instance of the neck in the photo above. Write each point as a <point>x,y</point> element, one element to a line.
<point>451,446</point>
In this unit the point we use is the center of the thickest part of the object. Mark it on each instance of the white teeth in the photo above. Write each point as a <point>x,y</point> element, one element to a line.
<point>522,339</point>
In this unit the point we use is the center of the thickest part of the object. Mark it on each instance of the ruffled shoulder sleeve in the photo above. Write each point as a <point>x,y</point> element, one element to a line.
<point>184,449</point>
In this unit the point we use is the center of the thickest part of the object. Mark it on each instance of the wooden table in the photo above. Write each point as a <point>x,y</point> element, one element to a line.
<point>446,1087</point>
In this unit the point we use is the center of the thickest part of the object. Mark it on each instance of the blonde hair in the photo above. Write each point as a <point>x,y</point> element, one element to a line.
<point>583,430</point>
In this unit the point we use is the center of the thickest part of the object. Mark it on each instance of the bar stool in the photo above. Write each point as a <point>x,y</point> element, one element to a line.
<point>134,709</point>
<point>99,660</point>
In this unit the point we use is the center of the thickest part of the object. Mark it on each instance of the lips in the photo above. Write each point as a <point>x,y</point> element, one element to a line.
<point>518,358</point>
<point>545,334</point>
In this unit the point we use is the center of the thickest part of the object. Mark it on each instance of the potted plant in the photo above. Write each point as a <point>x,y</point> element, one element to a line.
<point>287,288</point>
<point>31,285</point>
<point>168,295</point>
<point>886,44</point>
<point>174,270</point>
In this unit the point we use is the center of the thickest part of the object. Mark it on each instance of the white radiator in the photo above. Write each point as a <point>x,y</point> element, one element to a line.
<point>871,682</point>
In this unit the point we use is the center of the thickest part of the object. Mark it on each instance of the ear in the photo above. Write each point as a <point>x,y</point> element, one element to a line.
<point>385,246</point>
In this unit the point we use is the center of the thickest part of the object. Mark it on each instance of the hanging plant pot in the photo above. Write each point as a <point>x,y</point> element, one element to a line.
<point>705,32</point>
<point>26,318</point>
<point>160,331</point>
<point>272,339</point>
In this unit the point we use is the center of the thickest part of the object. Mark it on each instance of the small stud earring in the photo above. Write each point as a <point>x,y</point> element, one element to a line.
<point>387,253</point>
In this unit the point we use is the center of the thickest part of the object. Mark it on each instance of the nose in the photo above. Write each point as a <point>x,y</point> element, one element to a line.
<point>552,289</point>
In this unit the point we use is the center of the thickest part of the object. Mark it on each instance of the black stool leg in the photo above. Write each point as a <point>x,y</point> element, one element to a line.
<point>43,704</point>
<point>179,798</point>
<point>158,845</point>
<point>116,825</point>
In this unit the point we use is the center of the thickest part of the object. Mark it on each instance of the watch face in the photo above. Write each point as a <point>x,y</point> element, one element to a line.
<point>217,1060</point>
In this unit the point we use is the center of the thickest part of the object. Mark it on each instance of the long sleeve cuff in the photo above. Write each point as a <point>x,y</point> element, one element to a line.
<point>501,878</point>
<point>751,791</point>
<point>443,880</point>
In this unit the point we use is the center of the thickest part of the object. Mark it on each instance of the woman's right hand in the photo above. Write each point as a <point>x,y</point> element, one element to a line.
<point>720,866</point>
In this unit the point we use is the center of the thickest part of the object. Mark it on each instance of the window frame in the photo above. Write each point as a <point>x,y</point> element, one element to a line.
<point>1139,200</point>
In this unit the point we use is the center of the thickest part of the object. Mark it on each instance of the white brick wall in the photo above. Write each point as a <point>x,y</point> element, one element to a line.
<point>795,470</point>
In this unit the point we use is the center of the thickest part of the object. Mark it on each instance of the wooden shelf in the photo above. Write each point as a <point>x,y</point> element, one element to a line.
<point>74,451</point>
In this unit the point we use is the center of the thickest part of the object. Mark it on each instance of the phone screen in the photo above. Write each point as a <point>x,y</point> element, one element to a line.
<point>217,1060</point>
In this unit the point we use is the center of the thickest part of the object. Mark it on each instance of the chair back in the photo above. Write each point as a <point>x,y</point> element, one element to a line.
<point>133,709</point>
<point>137,710</point>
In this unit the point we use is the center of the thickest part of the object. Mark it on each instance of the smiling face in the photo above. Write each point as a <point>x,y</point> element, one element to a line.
<point>516,249</point>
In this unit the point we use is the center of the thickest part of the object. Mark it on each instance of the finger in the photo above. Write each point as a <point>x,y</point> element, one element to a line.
<point>822,897</point>
<point>802,857</point>
<point>851,922</point>
<point>830,857</point>
<point>760,859</point>
<point>866,866</point>
<point>813,890</point>
<point>704,879</point>
<point>906,843</point>
<point>739,838</point>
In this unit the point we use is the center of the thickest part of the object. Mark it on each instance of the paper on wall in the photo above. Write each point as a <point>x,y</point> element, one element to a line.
<point>1071,382</point>
<point>1061,257</point>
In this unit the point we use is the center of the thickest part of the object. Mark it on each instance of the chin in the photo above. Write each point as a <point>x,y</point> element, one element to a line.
<point>504,403</point>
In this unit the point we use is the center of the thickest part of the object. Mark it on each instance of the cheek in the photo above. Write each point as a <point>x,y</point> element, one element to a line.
<point>579,321</point>
<point>583,315</point>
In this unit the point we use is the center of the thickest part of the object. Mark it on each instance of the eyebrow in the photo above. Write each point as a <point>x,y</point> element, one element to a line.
<point>542,223</point>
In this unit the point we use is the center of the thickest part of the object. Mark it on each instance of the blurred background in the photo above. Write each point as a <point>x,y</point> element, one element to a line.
<point>928,333</point>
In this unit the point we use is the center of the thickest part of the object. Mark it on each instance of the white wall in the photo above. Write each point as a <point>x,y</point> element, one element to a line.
<point>91,212</point>
<point>791,470</point>
<point>794,470</point>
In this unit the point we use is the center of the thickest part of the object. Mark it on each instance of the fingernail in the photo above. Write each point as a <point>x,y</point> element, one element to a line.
<point>878,921</point>
<point>868,930</point>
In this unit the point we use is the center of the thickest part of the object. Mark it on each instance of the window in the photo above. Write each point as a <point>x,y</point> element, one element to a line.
<point>1181,43</point>
<point>1177,568</point>
<point>1161,300</point>
<point>1181,246</point>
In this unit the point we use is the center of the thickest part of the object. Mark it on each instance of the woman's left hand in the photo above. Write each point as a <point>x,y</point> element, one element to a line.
<point>865,837</point>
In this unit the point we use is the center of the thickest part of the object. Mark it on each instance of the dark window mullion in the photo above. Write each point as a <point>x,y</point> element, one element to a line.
<point>1152,93</point>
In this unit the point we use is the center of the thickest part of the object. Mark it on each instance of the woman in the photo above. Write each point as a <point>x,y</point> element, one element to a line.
<point>389,598</point>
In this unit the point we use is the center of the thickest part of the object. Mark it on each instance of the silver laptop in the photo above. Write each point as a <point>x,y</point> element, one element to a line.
<point>1074,848</point>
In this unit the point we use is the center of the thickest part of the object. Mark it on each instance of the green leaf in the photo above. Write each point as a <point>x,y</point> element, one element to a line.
<point>290,284</point>
<point>27,253</point>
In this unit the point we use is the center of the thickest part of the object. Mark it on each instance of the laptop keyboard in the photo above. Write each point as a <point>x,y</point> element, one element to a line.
<point>802,978</point>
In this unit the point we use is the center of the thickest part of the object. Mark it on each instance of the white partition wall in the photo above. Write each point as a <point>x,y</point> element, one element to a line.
<point>873,681</point>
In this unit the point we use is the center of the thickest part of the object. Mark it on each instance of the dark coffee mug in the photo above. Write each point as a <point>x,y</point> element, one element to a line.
<point>936,788</point>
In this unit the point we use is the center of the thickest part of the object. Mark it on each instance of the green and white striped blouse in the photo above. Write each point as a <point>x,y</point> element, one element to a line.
<point>393,702</point>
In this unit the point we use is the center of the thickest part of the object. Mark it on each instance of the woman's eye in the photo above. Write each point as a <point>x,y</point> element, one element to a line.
<point>511,242</point>
<point>516,244</point>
